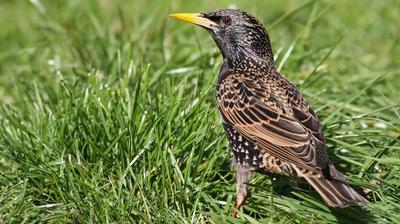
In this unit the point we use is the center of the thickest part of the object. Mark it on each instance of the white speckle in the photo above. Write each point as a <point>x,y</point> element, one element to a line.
<point>254,158</point>
<point>221,202</point>
<point>38,5</point>
<point>234,137</point>
<point>380,125</point>
<point>247,156</point>
<point>363,124</point>
<point>240,138</point>
<point>180,70</point>
<point>247,151</point>
<point>48,205</point>
<point>246,143</point>
<point>232,6</point>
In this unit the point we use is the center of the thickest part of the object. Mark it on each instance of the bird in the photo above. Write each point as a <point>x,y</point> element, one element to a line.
<point>270,126</point>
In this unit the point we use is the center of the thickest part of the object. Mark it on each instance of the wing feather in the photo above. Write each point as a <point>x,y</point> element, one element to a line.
<point>277,125</point>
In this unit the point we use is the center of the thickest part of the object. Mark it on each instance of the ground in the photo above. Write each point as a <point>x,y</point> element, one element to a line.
<point>107,112</point>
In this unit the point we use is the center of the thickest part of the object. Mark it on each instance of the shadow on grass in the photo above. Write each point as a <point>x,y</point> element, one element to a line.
<point>355,214</point>
<point>285,186</point>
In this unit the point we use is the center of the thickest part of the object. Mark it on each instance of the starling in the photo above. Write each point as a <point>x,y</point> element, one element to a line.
<point>269,124</point>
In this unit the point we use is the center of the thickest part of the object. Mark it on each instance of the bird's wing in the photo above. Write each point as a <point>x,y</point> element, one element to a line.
<point>252,108</point>
<point>302,110</point>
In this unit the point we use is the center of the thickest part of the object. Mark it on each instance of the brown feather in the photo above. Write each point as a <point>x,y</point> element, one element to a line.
<point>270,121</point>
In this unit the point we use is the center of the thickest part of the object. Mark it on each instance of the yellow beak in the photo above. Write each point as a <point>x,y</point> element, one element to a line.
<point>195,18</point>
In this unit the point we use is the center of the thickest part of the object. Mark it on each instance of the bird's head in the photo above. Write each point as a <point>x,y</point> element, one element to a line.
<point>240,36</point>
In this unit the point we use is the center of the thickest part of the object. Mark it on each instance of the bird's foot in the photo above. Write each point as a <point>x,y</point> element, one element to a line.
<point>234,214</point>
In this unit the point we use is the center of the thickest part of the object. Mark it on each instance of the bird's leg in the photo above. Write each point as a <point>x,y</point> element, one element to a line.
<point>242,177</point>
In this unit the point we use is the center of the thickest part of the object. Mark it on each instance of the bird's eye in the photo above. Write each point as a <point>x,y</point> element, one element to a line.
<point>226,20</point>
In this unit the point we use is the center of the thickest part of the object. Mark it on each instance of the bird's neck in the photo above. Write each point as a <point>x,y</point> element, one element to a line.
<point>256,67</point>
<point>246,58</point>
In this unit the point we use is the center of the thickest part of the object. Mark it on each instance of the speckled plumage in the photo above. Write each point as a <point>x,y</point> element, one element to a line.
<point>269,124</point>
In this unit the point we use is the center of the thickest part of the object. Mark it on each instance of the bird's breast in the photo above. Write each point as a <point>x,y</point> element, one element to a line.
<point>244,150</point>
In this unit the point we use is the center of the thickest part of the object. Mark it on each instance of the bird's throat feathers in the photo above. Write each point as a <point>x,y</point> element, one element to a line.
<point>241,47</point>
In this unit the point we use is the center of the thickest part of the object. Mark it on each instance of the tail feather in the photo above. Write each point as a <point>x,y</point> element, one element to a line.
<point>336,193</point>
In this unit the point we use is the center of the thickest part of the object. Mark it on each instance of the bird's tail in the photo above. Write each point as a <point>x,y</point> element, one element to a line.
<point>336,193</point>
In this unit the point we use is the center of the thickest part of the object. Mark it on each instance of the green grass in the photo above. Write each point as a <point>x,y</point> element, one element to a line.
<point>107,112</point>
